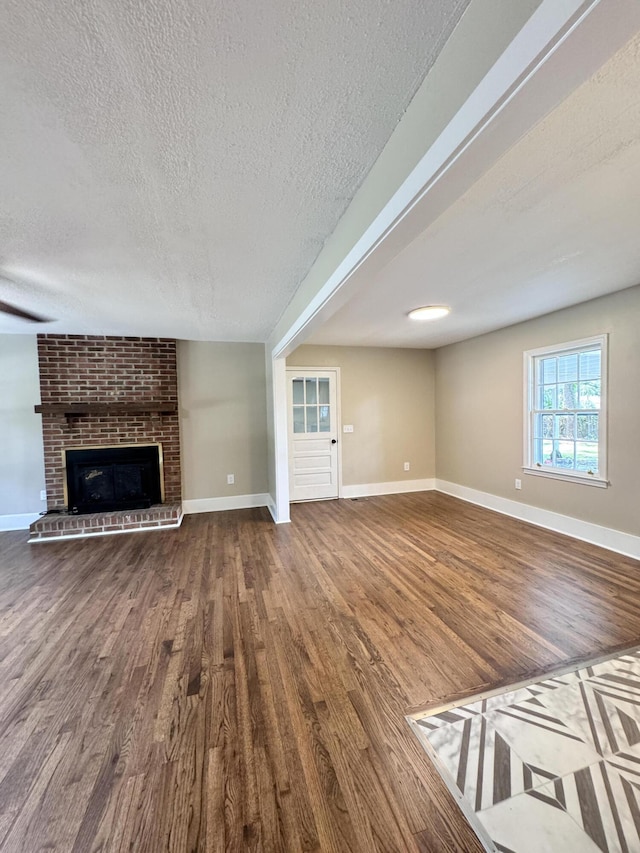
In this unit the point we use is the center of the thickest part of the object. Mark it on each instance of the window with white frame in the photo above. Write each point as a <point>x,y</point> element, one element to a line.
<point>565,411</point>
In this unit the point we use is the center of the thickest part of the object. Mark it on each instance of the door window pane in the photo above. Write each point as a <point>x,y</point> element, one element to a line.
<point>323,391</point>
<point>298,418</point>
<point>298,392</point>
<point>311,409</point>
<point>325,420</point>
<point>312,419</point>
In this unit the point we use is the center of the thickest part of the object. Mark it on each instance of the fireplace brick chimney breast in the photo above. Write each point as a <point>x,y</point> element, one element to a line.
<point>83,369</point>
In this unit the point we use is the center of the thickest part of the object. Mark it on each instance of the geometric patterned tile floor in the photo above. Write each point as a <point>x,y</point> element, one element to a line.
<point>551,766</point>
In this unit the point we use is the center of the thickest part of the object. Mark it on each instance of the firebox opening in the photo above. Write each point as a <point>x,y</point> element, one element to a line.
<point>100,479</point>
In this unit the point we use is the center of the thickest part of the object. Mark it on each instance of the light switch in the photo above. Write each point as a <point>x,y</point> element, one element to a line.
<point>347,428</point>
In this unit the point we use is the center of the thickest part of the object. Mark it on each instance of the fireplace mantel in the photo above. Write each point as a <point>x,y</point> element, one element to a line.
<point>72,410</point>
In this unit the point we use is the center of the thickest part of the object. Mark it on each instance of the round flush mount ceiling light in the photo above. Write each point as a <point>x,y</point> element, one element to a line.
<point>429,312</point>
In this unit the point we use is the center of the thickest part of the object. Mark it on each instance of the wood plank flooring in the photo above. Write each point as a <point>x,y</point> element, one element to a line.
<point>235,686</point>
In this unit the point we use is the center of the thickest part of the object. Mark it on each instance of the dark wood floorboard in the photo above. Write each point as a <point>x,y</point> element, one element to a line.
<point>235,685</point>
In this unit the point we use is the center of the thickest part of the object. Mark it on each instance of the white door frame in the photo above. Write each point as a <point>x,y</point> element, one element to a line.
<point>338,419</point>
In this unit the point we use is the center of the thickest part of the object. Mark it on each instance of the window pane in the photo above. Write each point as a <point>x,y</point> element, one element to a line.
<point>568,395</point>
<point>548,370</point>
<point>298,391</point>
<point>588,427</point>
<point>563,452</point>
<point>590,365</point>
<point>323,391</point>
<point>298,419</point>
<point>325,420</point>
<point>312,394</point>
<point>312,419</point>
<point>587,456</point>
<point>549,397</point>
<point>565,425</point>
<point>547,452</point>
<point>538,452</point>
<point>590,394</point>
<point>543,426</point>
<point>568,368</point>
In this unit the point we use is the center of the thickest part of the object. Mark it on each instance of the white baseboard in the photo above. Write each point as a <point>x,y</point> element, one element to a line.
<point>605,537</point>
<point>271,506</point>
<point>21,521</point>
<point>220,504</point>
<point>392,488</point>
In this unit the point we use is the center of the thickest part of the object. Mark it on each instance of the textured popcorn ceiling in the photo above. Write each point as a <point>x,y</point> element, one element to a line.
<point>555,222</point>
<point>173,167</point>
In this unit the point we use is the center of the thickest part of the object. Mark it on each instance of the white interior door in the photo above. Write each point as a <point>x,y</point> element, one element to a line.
<point>313,434</point>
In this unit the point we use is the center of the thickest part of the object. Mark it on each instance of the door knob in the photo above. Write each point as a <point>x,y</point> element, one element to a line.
<point>334,441</point>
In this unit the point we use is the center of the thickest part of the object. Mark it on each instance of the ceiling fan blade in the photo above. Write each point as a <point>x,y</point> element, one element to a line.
<point>5,308</point>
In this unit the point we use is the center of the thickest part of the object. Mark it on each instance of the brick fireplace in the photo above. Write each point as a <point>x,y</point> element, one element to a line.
<point>99,392</point>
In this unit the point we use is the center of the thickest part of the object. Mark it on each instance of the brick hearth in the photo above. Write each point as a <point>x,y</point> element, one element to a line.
<point>68,526</point>
<point>94,391</point>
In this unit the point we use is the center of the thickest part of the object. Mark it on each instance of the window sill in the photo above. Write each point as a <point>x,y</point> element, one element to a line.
<point>568,478</point>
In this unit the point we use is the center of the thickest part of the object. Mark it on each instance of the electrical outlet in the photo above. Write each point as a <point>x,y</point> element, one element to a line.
<point>518,484</point>
<point>43,495</point>
<point>230,479</point>
<point>407,466</point>
<point>347,428</point>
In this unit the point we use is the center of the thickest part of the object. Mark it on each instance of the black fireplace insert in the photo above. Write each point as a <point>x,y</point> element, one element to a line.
<point>107,478</point>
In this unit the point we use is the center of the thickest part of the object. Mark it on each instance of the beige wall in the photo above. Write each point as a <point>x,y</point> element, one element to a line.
<point>479,412</point>
<point>22,459</point>
<point>388,396</point>
<point>223,421</point>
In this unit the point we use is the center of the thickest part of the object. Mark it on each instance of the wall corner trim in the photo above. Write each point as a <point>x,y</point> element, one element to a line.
<point>397,487</point>
<point>272,507</point>
<point>20,521</point>
<point>605,537</point>
<point>219,504</point>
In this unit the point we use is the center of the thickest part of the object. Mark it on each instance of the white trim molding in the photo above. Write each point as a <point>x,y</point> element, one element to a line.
<point>271,506</point>
<point>20,521</point>
<point>232,502</point>
<point>568,478</point>
<point>533,409</point>
<point>366,490</point>
<point>595,534</point>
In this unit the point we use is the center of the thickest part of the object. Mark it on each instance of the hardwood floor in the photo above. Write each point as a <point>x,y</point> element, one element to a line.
<point>234,685</point>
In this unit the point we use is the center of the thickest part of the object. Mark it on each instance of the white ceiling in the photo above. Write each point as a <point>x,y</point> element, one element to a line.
<point>173,167</point>
<point>554,222</point>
